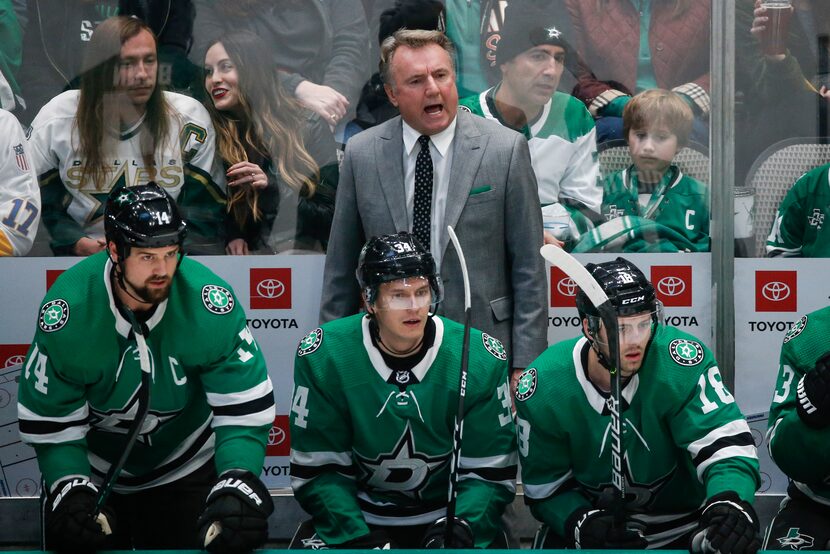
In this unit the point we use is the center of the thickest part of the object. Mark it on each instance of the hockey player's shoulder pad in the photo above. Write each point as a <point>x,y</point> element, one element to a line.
<point>75,296</point>
<point>681,348</point>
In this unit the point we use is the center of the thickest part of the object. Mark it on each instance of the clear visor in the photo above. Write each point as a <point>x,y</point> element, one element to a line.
<point>638,327</point>
<point>410,293</point>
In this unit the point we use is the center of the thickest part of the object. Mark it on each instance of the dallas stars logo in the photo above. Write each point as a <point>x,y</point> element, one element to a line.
<point>53,315</point>
<point>403,470</point>
<point>686,352</point>
<point>310,342</point>
<point>553,32</point>
<point>119,420</point>
<point>796,329</point>
<point>124,197</point>
<point>494,346</point>
<point>816,219</point>
<point>796,540</point>
<point>217,300</point>
<point>527,385</point>
<point>639,496</point>
<point>614,212</point>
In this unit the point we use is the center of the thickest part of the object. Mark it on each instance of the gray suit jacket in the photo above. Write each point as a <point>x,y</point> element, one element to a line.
<point>493,205</point>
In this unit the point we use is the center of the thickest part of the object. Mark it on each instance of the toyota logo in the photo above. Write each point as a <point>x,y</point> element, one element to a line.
<point>276,436</point>
<point>775,291</point>
<point>270,288</point>
<point>566,287</point>
<point>671,286</point>
<point>14,360</point>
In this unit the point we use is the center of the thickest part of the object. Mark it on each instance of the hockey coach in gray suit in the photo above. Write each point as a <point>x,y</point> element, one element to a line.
<point>434,166</point>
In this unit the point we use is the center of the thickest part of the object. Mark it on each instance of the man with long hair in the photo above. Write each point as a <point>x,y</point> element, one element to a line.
<point>121,130</point>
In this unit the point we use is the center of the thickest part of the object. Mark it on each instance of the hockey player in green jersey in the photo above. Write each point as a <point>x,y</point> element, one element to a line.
<point>202,442</point>
<point>559,130</point>
<point>657,124</point>
<point>798,228</point>
<point>375,397</point>
<point>689,463</point>
<point>799,436</point>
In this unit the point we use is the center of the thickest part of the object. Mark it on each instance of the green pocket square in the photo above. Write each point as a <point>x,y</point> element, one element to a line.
<point>479,190</point>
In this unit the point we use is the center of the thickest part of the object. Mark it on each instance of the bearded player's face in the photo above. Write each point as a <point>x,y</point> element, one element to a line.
<point>148,272</point>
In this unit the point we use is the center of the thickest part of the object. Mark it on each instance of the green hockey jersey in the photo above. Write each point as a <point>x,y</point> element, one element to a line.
<point>684,438</point>
<point>563,152</point>
<point>803,453</point>
<point>798,229</point>
<point>373,445</point>
<point>210,392</point>
<point>678,202</point>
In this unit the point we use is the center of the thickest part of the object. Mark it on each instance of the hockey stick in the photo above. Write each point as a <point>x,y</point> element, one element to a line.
<point>586,282</point>
<point>458,432</point>
<point>135,426</point>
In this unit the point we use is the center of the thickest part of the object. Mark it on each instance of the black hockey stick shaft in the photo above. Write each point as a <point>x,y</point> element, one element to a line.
<point>458,428</point>
<point>138,422</point>
<point>608,315</point>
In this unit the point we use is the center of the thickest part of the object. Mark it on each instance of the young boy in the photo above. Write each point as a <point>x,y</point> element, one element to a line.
<point>667,211</point>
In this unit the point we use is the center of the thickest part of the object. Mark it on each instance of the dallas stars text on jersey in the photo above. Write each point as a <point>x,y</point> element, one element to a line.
<point>684,438</point>
<point>79,391</point>
<point>371,445</point>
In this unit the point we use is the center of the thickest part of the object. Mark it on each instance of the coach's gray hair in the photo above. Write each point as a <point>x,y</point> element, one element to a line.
<point>413,38</point>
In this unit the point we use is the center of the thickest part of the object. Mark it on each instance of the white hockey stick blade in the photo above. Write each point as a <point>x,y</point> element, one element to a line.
<point>576,271</point>
<point>104,523</point>
<point>213,531</point>
<point>466,277</point>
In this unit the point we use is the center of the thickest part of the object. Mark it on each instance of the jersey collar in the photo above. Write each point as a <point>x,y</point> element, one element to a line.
<point>420,370</point>
<point>122,326</point>
<point>592,395</point>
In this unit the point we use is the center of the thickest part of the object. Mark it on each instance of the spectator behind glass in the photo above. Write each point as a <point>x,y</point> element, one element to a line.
<point>651,206</point>
<point>123,131</point>
<point>628,46</point>
<point>11,47</point>
<point>59,32</point>
<point>782,91</point>
<point>319,45</point>
<point>280,160</point>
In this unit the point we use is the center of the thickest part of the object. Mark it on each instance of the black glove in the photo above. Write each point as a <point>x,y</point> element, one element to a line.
<point>68,522</point>
<point>376,540</point>
<point>814,395</point>
<point>235,518</point>
<point>727,525</point>
<point>591,528</point>
<point>462,535</point>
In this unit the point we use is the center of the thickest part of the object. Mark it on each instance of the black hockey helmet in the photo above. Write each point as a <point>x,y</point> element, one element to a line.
<point>391,257</point>
<point>628,289</point>
<point>144,216</point>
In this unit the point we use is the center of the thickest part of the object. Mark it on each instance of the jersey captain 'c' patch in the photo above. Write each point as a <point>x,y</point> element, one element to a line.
<point>217,300</point>
<point>796,329</point>
<point>494,346</point>
<point>686,352</point>
<point>53,315</point>
<point>526,385</point>
<point>310,342</point>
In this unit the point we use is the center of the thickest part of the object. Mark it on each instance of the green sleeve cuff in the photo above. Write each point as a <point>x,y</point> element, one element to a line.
<point>616,107</point>
<point>56,461</point>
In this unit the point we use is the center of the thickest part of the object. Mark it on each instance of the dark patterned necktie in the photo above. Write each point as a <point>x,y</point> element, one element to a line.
<point>423,193</point>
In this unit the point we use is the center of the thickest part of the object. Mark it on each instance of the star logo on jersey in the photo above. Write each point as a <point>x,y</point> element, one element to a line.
<point>119,420</point>
<point>527,384</point>
<point>816,219</point>
<point>494,346</point>
<point>795,540</point>
<point>403,470</point>
<point>53,315</point>
<point>796,329</point>
<point>310,342</point>
<point>638,496</point>
<point>686,352</point>
<point>217,300</point>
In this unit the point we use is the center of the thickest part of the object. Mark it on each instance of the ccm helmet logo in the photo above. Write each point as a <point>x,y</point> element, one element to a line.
<point>633,300</point>
<point>775,291</point>
<point>566,287</point>
<point>270,288</point>
<point>671,286</point>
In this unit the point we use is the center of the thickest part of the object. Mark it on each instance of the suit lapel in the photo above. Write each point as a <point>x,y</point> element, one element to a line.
<point>468,149</point>
<point>389,159</point>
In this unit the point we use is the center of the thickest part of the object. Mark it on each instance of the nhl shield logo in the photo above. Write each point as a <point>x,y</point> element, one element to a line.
<point>526,385</point>
<point>494,346</point>
<point>53,315</point>
<point>310,342</point>
<point>217,300</point>
<point>796,329</point>
<point>686,352</point>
